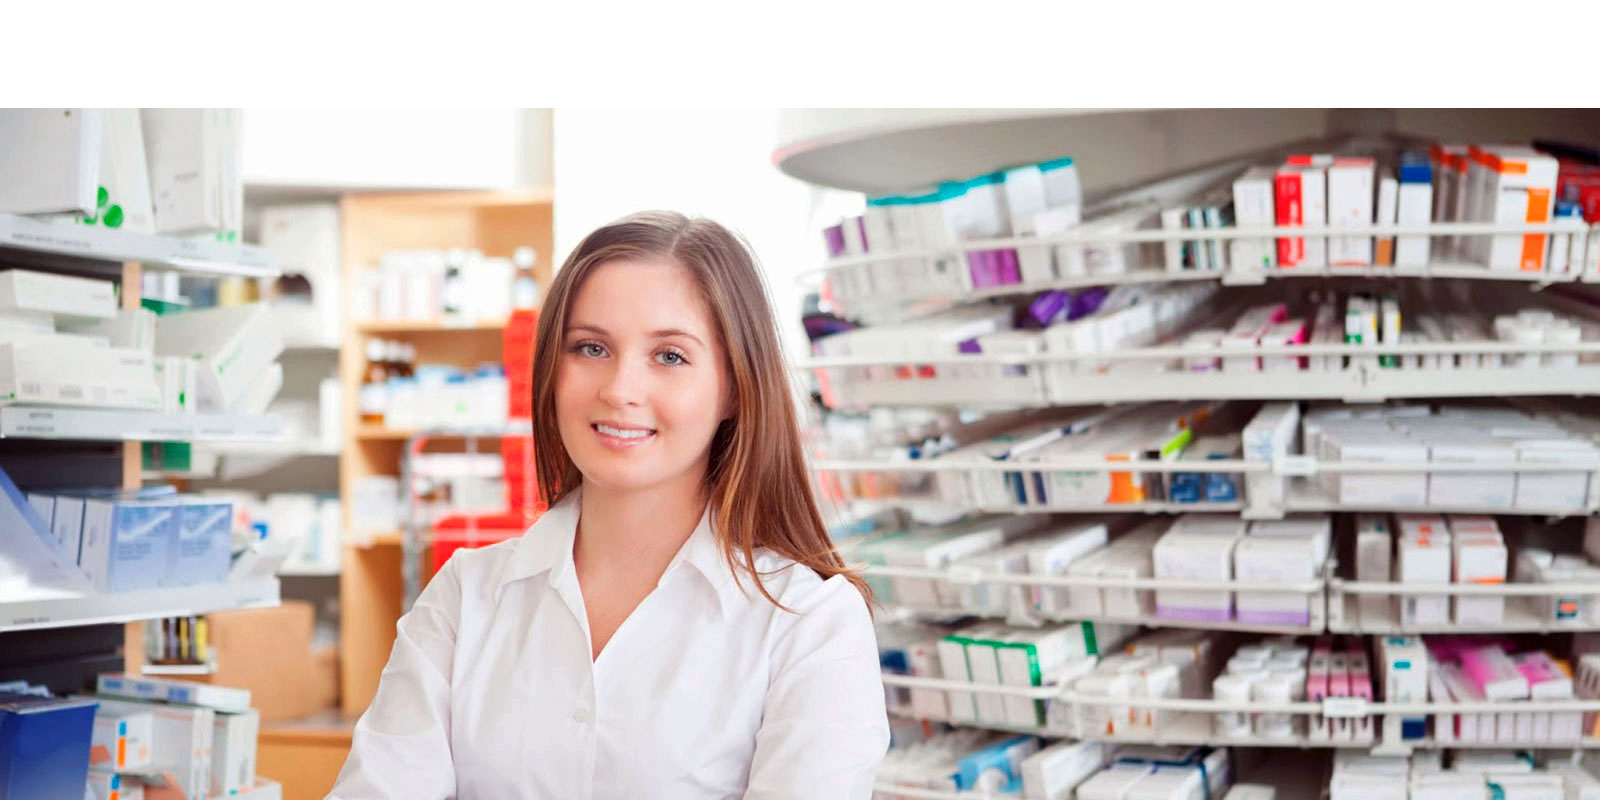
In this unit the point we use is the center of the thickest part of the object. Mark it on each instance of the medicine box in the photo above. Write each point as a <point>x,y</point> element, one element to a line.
<point>111,786</point>
<point>1381,488</point>
<point>24,290</point>
<point>1197,547</point>
<point>42,725</point>
<point>127,544</point>
<point>1554,490</point>
<point>1487,489</point>
<point>1415,207</point>
<point>1480,558</point>
<point>1253,208</point>
<point>983,664</point>
<point>1403,670</point>
<point>233,345</point>
<point>1056,770</point>
<point>953,664</point>
<point>1052,554</point>
<point>233,753</point>
<point>1424,559</point>
<point>122,741</point>
<point>182,742</point>
<point>1350,195</point>
<point>1276,559</point>
<point>924,662</point>
<point>1374,556</point>
<point>100,377</point>
<point>220,698</point>
<point>200,552</point>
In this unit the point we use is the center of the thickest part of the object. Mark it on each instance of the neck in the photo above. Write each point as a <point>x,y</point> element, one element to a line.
<point>636,530</point>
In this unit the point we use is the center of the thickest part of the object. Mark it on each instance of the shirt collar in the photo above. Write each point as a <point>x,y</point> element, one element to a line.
<point>548,545</point>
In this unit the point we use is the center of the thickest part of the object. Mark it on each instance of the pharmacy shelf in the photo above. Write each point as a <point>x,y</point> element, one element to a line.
<point>1303,496</point>
<point>1291,778</point>
<point>287,448</point>
<point>1520,617</point>
<point>97,424</point>
<point>913,612</point>
<point>1079,236</point>
<point>46,607</point>
<point>428,325</point>
<point>87,243</point>
<point>308,572</point>
<point>1358,385</point>
<point>180,669</point>
<point>483,432</point>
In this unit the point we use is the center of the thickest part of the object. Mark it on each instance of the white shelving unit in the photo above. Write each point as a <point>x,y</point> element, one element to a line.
<point>44,607</point>
<point>99,424</point>
<point>107,245</point>
<point>904,152</point>
<point>98,447</point>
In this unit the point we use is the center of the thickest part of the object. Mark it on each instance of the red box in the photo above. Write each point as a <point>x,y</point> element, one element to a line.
<point>1289,211</point>
<point>460,531</point>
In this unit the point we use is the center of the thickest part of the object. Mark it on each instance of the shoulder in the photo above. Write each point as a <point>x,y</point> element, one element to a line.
<point>817,608</point>
<point>476,569</point>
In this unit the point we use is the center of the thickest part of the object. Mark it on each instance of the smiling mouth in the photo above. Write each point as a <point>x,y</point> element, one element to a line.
<point>623,436</point>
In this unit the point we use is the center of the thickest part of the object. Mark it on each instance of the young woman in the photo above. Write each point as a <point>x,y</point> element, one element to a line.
<point>678,624</point>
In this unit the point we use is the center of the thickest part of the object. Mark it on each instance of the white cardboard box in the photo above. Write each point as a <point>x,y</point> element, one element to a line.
<point>66,295</point>
<point>233,752</point>
<point>1424,560</point>
<point>182,742</point>
<point>1486,489</point>
<point>234,345</point>
<point>122,741</point>
<point>50,159</point>
<point>99,377</point>
<point>1350,195</point>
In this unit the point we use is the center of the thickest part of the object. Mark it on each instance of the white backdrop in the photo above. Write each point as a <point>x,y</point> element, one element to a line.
<point>711,162</point>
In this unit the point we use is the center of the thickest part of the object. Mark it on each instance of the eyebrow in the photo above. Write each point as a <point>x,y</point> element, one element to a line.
<point>664,333</point>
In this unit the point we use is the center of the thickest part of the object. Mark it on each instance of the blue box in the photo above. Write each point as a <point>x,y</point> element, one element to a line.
<point>201,551</point>
<point>44,747</point>
<point>127,544</point>
<point>25,536</point>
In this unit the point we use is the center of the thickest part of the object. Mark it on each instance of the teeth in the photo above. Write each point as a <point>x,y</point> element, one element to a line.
<point>621,434</point>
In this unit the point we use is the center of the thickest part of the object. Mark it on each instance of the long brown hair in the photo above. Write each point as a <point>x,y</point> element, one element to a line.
<point>757,482</point>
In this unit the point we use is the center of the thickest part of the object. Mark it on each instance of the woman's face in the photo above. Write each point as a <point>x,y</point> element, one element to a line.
<point>642,383</point>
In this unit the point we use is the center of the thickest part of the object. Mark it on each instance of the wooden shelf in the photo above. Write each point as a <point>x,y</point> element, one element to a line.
<point>428,326</point>
<point>371,591</point>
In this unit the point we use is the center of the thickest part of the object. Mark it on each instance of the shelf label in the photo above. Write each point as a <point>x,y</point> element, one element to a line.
<point>1295,466</point>
<point>1345,707</point>
<point>965,575</point>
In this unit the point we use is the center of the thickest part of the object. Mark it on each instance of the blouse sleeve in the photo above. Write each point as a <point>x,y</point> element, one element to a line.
<point>824,729</point>
<point>400,749</point>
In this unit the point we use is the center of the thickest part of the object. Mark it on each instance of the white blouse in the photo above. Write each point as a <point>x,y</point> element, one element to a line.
<point>704,691</point>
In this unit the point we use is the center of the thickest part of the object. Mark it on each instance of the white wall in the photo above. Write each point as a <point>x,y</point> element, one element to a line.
<point>713,163</point>
<point>396,148</point>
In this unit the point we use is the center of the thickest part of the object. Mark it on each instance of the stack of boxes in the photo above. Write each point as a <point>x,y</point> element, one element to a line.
<point>197,739</point>
<point>1486,437</point>
<point>64,341</point>
<point>131,541</point>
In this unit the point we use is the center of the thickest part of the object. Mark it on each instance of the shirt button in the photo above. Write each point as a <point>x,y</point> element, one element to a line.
<point>581,716</point>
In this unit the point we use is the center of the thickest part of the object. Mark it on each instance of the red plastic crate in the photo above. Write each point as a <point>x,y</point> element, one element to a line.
<point>467,531</point>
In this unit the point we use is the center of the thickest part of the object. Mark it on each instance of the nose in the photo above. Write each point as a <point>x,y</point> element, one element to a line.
<point>624,387</point>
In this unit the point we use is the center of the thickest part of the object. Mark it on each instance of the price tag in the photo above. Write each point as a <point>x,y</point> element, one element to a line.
<point>1295,466</point>
<point>965,575</point>
<point>1345,707</point>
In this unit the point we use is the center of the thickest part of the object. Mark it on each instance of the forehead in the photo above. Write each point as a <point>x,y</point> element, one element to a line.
<point>625,296</point>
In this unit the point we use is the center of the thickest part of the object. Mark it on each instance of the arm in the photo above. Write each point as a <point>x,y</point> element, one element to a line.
<point>401,745</point>
<point>824,729</point>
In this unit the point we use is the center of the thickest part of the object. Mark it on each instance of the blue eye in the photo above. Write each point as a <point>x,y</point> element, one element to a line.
<point>589,349</point>
<point>671,358</point>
